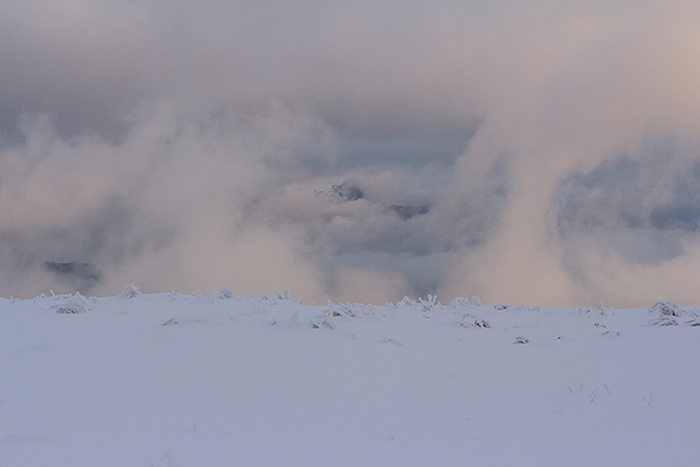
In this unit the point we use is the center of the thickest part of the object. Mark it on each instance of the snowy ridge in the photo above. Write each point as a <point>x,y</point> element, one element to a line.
<point>220,379</point>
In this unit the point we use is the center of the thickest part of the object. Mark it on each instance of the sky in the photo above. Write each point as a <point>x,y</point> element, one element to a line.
<point>541,152</point>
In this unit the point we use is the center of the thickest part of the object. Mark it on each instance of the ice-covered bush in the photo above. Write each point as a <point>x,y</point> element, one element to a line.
<point>668,313</point>
<point>224,292</point>
<point>284,294</point>
<point>665,309</point>
<point>430,304</point>
<point>130,291</point>
<point>73,304</point>
<point>469,321</point>
<point>462,302</point>
<point>600,310</point>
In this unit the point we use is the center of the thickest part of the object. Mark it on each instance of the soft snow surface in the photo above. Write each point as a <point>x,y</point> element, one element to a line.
<point>221,380</point>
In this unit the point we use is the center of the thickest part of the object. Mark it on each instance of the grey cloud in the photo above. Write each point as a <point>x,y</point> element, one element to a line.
<point>344,192</point>
<point>682,212</point>
<point>397,220</point>
<point>181,146</point>
<point>93,62</point>
<point>82,253</point>
<point>80,276</point>
<point>407,212</point>
<point>644,206</point>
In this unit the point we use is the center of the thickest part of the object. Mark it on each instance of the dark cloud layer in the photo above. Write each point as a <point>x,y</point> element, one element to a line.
<point>356,151</point>
<point>643,207</point>
<point>656,190</point>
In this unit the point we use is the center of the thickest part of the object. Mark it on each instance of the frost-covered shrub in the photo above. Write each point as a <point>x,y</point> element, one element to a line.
<point>521,340</point>
<point>334,314</point>
<point>462,302</point>
<point>224,292</point>
<point>130,291</point>
<point>665,309</point>
<point>469,321</point>
<point>71,308</point>
<point>347,310</point>
<point>694,318</point>
<point>327,322</point>
<point>664,321</point>
<point>526,307</point>
<point>588,309</point>
<point>501,307</point>
<point>430,304</point>
<point>666,314</point>
<point>284,294</point>
<point>73,304</point>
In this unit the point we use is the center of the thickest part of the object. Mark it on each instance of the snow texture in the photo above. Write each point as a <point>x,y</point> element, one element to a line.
<point>219,379</point>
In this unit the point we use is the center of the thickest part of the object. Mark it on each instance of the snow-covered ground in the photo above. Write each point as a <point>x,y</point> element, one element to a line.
<point>221,380</point>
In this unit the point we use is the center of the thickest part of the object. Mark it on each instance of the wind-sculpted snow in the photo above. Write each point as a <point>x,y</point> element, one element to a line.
<point>222,379</point>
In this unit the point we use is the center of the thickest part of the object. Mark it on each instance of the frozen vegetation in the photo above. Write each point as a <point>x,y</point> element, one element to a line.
<point>220,379</point>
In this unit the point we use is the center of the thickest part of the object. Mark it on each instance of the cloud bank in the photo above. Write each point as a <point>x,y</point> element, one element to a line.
<point>528,153</point>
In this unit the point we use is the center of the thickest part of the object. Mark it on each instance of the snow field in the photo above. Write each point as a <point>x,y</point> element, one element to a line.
<point>222,380</point>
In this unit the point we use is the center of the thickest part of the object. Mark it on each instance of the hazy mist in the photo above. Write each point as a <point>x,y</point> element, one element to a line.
<point>541,152</point>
